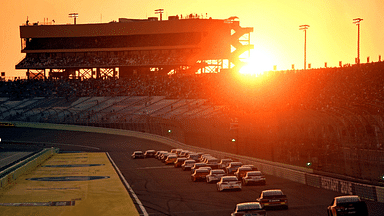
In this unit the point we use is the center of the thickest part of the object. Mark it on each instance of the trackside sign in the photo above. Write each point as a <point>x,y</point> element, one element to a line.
<point>337,185</point>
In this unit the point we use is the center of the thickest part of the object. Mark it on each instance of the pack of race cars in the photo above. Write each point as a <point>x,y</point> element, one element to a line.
<point>230,175</point>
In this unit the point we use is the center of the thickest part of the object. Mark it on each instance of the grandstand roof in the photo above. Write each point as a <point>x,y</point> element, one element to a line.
<point>127,28</point>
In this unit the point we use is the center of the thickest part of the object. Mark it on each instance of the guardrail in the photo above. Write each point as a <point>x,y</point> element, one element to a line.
<point>9,175</point>
<point>297,174</point>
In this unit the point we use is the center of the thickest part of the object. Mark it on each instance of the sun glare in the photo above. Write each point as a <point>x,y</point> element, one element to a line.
<point>258,63</point>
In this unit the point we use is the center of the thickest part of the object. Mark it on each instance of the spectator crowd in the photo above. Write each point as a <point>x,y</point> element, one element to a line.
<point>316,89</point>
<point>43,61</point>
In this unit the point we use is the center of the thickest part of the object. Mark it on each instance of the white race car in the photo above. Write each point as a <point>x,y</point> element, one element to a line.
<point>249,209</point>
<point>228,183</point>
<point>253,177</point>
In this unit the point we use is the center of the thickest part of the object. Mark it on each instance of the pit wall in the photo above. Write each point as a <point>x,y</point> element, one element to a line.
<point>9,175</point>
<point>285,171</point>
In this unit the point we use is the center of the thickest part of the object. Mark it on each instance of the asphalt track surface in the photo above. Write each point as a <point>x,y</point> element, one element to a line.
<point>165,190</point>
<point>7,158</point>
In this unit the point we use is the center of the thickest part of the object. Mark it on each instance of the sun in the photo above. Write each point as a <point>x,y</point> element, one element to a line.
<point>257,64</point>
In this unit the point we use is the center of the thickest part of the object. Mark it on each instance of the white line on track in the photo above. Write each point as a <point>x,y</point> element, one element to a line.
<point>145,213</point>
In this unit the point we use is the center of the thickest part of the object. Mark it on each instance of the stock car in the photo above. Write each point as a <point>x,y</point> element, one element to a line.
<point>249,209</point>
<point>193,157</point>
<point>188,164</point>
<point>200,174</point>
<point>228,183</point>
<point>197,166</point>
<point>224,162</point>
<point>171,159</point>
<point>232,167</point>
<point>347,205</point>
<point>164,156</point>
<point>215,175</point>
<point>253,177</point>
<point>137,154</point>
<point>180,161</point>
<point>212,162</point>
<point>175,150</point>
<point>273,198</point>
<point>149,153</point>
<point>158,154</point>
<point>242,171</point>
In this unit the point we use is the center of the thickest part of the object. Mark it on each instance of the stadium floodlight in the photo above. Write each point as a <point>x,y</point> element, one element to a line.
<point>357,22</point>
<point>304,28</point>
<point>160,11</point>
<point>74,16</point>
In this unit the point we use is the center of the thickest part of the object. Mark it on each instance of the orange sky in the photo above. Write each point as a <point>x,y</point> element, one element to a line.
<point>332,37</point>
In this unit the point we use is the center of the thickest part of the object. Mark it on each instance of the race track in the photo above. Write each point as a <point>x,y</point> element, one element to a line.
<point>165,190</point>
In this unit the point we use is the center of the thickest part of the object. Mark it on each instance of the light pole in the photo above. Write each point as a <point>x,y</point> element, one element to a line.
<point>357,22</point>
<point>74,16</point>
<point>305,27</point>
<point>160,11</point>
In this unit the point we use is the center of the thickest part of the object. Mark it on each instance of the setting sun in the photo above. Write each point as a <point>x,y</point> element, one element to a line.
<point>259,62</point>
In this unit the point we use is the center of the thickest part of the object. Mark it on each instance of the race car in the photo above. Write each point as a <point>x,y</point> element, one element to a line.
<point>199,174</point>
<point>137,154</point>
<point>347,205</point>
<point>197,166</point>
<point>249,209</point>
<point>228,183</point>
<point>175,150</point>
<point>253,177</point>
<point>232,167</point>
<point>193,157</point>
<point>149,153</point>
<point>179,161</point>
<point>224,162</point>
<point>188,164</point>
<point>242,171</point>
<point>215,175</point>
<point>158,154</point>
<point>273,199</point>
<point>171,159</point>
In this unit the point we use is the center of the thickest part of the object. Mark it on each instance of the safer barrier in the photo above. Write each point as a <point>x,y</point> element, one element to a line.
<point>10,174</point>
<point>297,174</point>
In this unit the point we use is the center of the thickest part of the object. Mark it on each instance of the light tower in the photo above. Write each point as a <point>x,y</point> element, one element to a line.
<point>74,16</point>
<point>357,22</point>
<point>304,28</point>
<point>160,11</point>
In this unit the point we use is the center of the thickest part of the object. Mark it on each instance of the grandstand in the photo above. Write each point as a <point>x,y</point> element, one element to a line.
<point>133,46</point>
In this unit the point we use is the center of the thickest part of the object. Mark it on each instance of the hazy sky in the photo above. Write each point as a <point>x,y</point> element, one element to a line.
<point>331,37</point>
